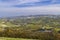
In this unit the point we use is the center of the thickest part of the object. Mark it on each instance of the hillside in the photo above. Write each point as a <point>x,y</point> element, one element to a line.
<point>36,26</point>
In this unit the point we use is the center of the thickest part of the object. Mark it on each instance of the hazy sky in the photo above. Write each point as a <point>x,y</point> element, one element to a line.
<point>29,7</point>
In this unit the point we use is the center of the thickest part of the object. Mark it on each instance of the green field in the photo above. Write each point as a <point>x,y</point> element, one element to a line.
<point>5,38</point>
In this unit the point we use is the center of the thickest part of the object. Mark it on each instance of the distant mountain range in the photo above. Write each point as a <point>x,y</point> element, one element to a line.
<point>31,16</point>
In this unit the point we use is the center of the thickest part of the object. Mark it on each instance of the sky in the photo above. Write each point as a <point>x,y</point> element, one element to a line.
<point>29,7</point>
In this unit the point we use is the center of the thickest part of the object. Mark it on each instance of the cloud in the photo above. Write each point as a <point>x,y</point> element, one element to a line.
<point>16,2</point>
<point>8,0</point>
<point>27,7</point>
<point>30,10</point>
<point>26,3</point>
<point>29,3</point>
<point>6,3</point>
<point>56,1</point>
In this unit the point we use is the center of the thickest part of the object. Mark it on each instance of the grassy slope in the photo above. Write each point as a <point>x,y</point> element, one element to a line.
<point>5,38</point>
